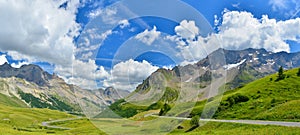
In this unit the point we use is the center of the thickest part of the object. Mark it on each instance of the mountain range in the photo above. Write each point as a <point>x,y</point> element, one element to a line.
<point>220,71</point>
<point>35,87</point>
<point>230,69</point>
<point>241,66</point>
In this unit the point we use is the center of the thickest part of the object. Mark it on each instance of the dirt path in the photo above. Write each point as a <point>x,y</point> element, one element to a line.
<point>48,123</point>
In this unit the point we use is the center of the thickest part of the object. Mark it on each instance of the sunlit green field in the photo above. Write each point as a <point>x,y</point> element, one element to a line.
<point>217,128</point>
<point>28,122</point>
<point>18,121</point>
<point>267,99</point>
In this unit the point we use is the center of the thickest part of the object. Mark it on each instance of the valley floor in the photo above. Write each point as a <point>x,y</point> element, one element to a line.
<point>61,123</point>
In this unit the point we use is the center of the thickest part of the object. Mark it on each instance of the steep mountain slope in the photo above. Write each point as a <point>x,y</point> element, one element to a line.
<point>258,63</point>
<point>30,86</point>
<point>220,71</point>
<point>266,98</point>
<point>58,95</point>
<point>12,101</point>
<point>241,67</point>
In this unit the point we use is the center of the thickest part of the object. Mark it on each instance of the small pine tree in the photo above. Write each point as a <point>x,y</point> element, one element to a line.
<point>280,71</point>
<point>281,76</point>
<point>298,73</point>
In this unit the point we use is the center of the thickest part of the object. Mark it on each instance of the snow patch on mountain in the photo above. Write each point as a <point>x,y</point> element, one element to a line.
<point>189,80</point>
<point>230,66</point>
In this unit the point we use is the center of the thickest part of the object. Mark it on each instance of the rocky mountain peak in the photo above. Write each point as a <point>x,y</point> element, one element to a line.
<point>31,73</point>
<point>6,66</point>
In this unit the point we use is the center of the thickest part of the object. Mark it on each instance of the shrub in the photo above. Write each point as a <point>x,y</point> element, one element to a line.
<point>195,121</point>
<point>237,98</point>
<point>155,106</point>
<point>164,109</point>
<point>119,108</point>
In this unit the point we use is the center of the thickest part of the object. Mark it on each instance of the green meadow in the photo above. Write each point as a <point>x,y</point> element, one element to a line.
<point>263,99</point>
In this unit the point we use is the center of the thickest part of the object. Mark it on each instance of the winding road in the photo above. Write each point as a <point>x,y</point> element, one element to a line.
<point>48,123</point>
<point>255,122</point>
<point>258,122</point>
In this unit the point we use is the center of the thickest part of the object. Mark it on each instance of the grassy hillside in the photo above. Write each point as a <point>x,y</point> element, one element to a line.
<point>246,74</point>
<point>14,119</point>
<point>126,109</point>
<point>266,99</point>
<point>11,101</point>
<point>27,121</point>
<point>217,128</point>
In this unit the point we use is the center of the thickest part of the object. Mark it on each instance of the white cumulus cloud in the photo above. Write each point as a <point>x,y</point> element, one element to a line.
<point>19,64</point>
<point>38,30</point>
<point>3,59</point>
<point>124,23</point>
<point>237,31</point>
<point>127,75</point>
<point>187,29</point>
<point>87,71</point>
<point>240,30</point>
<point>148,37</point>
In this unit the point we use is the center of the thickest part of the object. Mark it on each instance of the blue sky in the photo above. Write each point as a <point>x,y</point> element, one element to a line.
<point>207,8</point>
<point>88,41</point>
<point>210,8</point>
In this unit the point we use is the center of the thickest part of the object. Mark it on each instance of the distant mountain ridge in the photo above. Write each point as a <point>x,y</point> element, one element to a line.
<point>110,94</point>
<point>31,73</point>
<point>37,88</point>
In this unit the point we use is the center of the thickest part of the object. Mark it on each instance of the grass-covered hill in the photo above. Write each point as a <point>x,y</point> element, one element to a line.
<point>265,99</point>
<point>11,101</point>
<point>268,98</point>
<point>28,121</point>
<point>16,118</point>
